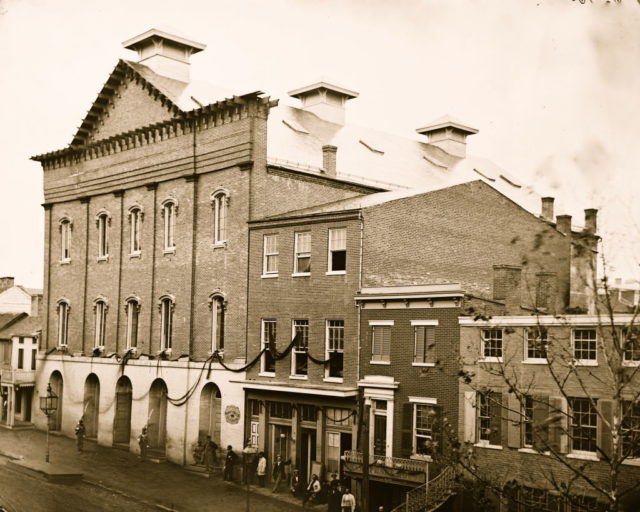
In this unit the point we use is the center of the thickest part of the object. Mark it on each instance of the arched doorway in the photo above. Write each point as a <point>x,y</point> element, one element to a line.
<point>91,406</point>
<point>210,413</point>
<point>56,387</point>
<point>157,422</point>
<point>122,419</point>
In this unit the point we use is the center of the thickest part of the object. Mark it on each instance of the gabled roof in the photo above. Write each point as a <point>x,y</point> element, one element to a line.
<point>30,291</point>
<point>7,319</point>
<point>24,326</point>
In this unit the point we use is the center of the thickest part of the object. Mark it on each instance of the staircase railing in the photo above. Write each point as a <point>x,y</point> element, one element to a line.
<point>429,495</point>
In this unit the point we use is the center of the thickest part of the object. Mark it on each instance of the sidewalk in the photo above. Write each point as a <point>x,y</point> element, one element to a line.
<point>162,485</point>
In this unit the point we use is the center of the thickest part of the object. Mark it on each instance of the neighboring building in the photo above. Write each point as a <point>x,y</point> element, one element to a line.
<point>17,299</point>
<point>542,397</point>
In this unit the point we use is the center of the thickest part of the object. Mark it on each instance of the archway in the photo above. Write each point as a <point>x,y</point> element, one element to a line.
<point>91,406</point>
<point>57,387</point>
<point>210,413</point>
<point>157,422</point>
<point>122,419</point>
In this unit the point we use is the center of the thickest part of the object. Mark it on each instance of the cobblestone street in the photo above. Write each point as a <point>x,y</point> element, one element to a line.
<point>117,480</point>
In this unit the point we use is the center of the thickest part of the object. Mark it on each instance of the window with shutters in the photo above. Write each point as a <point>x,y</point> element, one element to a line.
<point>537,342</point>
<point>381,341</point>
<point>299,363</point>
<point>630,429</point>
<point>20,358</point>
<point>302,249</point>
<point>631,345</point>
<point>268,361</point>
<point>584,425</point>
<point>335,349</point>
<point>489,420</point>
<point>492,345</point>
<point>34,355</point>
<point>270,256</point>
<point>424,345</point>
<point>337,260</point>
<point>426,439</point>
<point>585,346</point>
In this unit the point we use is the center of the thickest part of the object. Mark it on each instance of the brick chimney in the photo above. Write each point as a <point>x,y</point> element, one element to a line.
<point>166,54</point>
<point>563,224</point>
<point>506,286</point>
<point>590,221</point>
<point>448,134</point>
<point>325,100</point>
<point>547,209</point>
<point>329,154</point>
<point>6,283</point>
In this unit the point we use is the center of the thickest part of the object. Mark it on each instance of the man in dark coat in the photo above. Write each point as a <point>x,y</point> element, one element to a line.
<point>229,462</point>
<point>80,433</point>
<point>210,453</point>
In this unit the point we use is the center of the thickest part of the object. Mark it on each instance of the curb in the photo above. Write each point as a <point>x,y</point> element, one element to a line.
<point>129,496</point>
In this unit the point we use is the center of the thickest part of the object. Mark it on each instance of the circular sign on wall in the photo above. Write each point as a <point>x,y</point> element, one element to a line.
<point>232,414</point>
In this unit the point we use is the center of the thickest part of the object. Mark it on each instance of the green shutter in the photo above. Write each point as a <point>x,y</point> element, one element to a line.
<point>605,424</point>
<point>419,353</point>
<point>407,430</point>
<point>558,425</point>
<point>540,423</point>
<point>515,420</point>
<point>495,410</point>
<point>430,335</point>
<point>386,342</point>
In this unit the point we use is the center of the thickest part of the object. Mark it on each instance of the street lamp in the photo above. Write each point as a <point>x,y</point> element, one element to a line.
<point>48,405</point>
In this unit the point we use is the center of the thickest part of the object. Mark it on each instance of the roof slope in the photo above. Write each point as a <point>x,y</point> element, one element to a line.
<point>7,319</point>
<point>24,326</point>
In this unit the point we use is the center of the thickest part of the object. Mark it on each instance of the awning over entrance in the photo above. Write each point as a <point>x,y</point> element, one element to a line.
<point>299,388</point>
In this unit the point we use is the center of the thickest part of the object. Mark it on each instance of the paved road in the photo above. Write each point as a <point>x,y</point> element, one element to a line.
<point>123,483</point>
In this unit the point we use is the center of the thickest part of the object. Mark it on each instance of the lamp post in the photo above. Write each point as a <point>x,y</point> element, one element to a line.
<point>48,405</point>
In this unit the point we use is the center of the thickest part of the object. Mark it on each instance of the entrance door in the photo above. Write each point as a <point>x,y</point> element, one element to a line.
<point>28,395</point>
<point>91,406</point>
<point>379,435</point>
<point>157,427</point>
<point>210,413</point>
<point>280,441</point>
<point>122,420</point>
<point>307,452</point>
<point>57,387</point>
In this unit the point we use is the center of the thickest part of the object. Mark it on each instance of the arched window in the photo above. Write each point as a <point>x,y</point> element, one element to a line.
<point>219,205</point>
<point>63,322</point>
<point>132,309</point>
<point>166,322</point>
<point>135,221</point>
<point>169,211</point>
<point>218,305</point>
<point>102,221</point>
<point>100,307</point>
<point>65,240</point>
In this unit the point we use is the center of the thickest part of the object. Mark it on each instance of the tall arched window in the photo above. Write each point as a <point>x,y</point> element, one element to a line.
<point>102,221</point>
<point>169,211</point>
<point>219,205</point>
<point>100,308</point>
<point>135,220</point>
<point>65,240</point>
<point>166,322</point>
<point>217,323</point>
<point>63,322</point>
<point>132,309</point>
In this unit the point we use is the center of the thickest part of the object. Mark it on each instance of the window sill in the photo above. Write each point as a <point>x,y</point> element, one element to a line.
<point>380,362</point>
<point>529,450</point>
<point>489,446</point>
<point>631,364</point>
<point>429,365</point>
<point>337,380</point>
<point>268,276</point>
<point>631,462</point>
<point>267,374</point>
<point>535,361</point>
<point>65,262</point>
<point>426,458</point>
<point>137,254</point>
<point>219,245</point>
<point>103,258</point>
<point>585,362</point>
<point>490,360</point>
<point>336,273</point>
<point>583,456</point>
<point>299,377</point>
<point>169,250</point>
<point>301,274</point>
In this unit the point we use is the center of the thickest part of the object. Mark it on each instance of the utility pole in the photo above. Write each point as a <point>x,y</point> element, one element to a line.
<point>365,455</point>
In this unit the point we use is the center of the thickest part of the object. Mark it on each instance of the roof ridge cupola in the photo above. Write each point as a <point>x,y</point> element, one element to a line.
<point>166,54</point>
<point>325,100</point>
<point>448,134</point>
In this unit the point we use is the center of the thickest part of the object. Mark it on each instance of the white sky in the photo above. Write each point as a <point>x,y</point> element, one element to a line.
<point>553,86</point>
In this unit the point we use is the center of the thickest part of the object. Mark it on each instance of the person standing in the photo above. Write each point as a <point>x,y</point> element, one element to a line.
<point>278,472</point>
<point>143,442</point>
<point>296,486</point>
<point>334,497</point>
<point>80,433</point>
<point>348,502</point>
<point>229,462</point>
<point>210,450</point>
<point>249,453</point>
<point>261,469</point>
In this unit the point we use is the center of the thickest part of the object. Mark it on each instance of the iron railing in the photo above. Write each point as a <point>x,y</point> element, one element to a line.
<point>414,466</point>
<point>429,496</point>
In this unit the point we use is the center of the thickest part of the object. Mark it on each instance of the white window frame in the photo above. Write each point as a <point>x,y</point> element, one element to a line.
<point>65,240</point>
<point>132,307</point>
<point>169,213</point>
<point>135,221</point>
<point>63,323</point>
<point>269,251</point>
<point>217,336</point>
<point>219,205</point>
<point>100,309</point>
<point>580,361</point>
<point>295,351</point>
<point>331,249</point>
<point>527,337</point>
<point>327,353</point>
<point>103,220</point>
<point>491,359</point>
<point>586,454</point>
<point>486,443</point>
<point>264,343</point>
<point>384,359</point>
<point>421,323</point>
<point>167,306</point>
<point>299,253</point>
<point>635,351</point>
<point>426,402</point>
